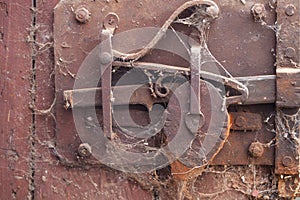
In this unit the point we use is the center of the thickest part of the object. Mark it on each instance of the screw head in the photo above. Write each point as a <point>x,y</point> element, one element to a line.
<point>111,21</point>
<point>290,52</point>
<point>256,149</point>
<point>84,150</point>
<point>287,161</point>
<point>290,10</point>
<point>82,15</point>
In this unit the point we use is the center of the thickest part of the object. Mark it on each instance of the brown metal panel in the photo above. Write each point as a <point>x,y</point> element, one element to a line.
<point>15,115</point>
<point>244,47</point>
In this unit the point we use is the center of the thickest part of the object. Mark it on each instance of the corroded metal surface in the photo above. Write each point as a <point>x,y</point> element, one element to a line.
<point>244,47</point>
<point>245,121</point>
<point>288,116</point>
<point>288,87</point>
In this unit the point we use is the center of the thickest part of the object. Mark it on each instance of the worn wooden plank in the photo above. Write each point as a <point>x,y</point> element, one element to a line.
<point>15,115</point>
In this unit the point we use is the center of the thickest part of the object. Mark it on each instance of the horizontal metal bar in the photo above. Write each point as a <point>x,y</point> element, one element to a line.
<point>90,97</point>
<point>261,91</point>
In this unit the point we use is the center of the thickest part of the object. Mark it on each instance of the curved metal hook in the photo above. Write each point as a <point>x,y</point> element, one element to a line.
<point>212,11</point>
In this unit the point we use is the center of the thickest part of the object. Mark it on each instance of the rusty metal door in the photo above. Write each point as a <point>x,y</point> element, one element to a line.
<point>179,99</point>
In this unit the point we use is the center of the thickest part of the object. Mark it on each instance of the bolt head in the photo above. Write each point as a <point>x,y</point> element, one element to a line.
<point>82,15</point>
<point>290,52</point>
<point>256,149</point>
<point>84,150</point>
<point>111,21</point>
<point>240,121</point>
<point>287,161</point>
<point>258,8</point>
<point>290,10</point>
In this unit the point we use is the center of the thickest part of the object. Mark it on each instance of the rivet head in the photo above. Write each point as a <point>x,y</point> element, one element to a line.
<point>287,161</point>
<point>290,10</point>
<point>84,150</point>
<point>82,15</point>
<point>290,52</point>
<point>105,58</point>
<point>256,149</point>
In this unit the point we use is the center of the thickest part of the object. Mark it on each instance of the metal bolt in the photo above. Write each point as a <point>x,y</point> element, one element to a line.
<point>290,10</point>
<point>290,52</point>
<point>256,149</point>
<point>287,161</point>
<point>84,150</point>
<point>82,15</point>
<point>258,10</point>
<point>105,58</point>
<point>240,121</point>
<point>111,21</point>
